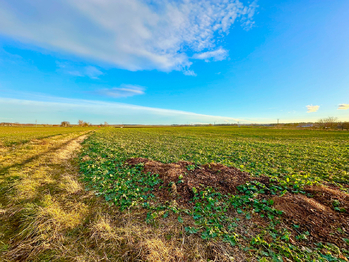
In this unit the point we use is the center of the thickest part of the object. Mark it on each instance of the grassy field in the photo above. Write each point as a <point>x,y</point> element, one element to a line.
<point>312,155</point>
<point>11,136</point>
<point>306,170</point>
<point>174,194</point>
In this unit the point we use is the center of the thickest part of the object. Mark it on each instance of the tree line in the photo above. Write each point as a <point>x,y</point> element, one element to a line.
<point>80,123</point>
<point>332,123</point>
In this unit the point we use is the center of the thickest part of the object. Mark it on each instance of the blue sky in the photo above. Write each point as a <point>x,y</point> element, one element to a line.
<point>173,62</point>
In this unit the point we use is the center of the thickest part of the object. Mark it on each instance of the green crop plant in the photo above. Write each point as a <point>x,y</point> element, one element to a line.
<point>292,159</point>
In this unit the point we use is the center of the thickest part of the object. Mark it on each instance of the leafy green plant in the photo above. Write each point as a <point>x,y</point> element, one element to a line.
<point>292,159</point>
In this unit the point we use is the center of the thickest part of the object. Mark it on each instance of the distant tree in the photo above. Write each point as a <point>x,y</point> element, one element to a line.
<point>345,125</point>
<point>65,124</point>
<point>329,122</point>
<point>106,124</point>
<point>81,123</point>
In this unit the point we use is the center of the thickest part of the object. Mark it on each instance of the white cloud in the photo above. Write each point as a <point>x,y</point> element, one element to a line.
<point>343,107</point>
<point>312,109</point>
<point>93,72</point>
<point>130,34</point>
<point>55,110</point>
<point>188,72</point>
<point>122,91</point>
<point>89,71</point>
<point>217,55</point>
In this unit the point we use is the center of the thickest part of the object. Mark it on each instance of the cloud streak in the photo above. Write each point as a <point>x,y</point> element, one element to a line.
<point>85,71</point>
<point>129,34</point>
<point>217,55</point>
<point>343,106</point>
<point>55,110</point>
<point>312,109</point>
<point>122,91</point>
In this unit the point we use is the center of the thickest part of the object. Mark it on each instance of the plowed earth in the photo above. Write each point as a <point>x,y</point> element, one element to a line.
<point>314,214</point>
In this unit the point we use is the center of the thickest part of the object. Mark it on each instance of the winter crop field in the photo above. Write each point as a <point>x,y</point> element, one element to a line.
<point>274,194</point>
<point>18,135</point>
<point>174,194</point>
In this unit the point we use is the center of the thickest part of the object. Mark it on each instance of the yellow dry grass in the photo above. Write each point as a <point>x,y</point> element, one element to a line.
<point>70,184</point>
<point>29,184</point>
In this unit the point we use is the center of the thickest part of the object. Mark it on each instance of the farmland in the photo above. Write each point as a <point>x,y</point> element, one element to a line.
<point>19,135</point>
<point>174,194</point>
<point>158,169</point>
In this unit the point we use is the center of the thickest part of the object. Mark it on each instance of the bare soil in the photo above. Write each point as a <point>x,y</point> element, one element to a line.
<point>224,179</point>
<point>314,214</point>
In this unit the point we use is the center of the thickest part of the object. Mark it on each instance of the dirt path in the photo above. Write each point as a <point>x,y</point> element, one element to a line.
<point>68,151</point>
<point>34,197</point>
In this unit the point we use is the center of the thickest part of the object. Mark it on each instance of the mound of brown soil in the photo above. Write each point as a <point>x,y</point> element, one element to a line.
<point>331,197</point>
<point>222,178</point>
<point>318,219</point>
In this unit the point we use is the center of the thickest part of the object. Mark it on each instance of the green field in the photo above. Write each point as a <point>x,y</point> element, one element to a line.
<point>298,163</point>
<point>173,194</point>
<point>18,135</point>
<point>305,155</point>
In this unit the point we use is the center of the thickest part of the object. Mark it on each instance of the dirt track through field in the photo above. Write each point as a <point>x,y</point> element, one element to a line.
<point>47,215</point>
<point>73,145</point>
<point>34,183</point>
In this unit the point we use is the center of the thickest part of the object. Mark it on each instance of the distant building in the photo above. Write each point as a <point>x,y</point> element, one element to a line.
<point>306,125</point>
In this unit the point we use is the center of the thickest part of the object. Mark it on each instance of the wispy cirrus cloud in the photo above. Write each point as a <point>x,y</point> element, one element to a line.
<point>82,71</point>
<point>343,106</point>
<point>56,109</point>
<point>133,34</point>
<point>217,55</point>
<point>122,91</point>
<point>189,72</point>
<point>92,72</point>
<point>312,109</point>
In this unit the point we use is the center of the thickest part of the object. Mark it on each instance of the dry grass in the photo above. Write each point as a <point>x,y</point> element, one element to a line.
<point>45,215</point>
<point>34,218</point>
<point>70,184</point>
<point>30,183</point>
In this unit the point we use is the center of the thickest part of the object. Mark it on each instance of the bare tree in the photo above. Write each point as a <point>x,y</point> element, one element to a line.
<point>65,124</point>
<point>329,122</point>
<point>81,122</point>
<point>106,124</point>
